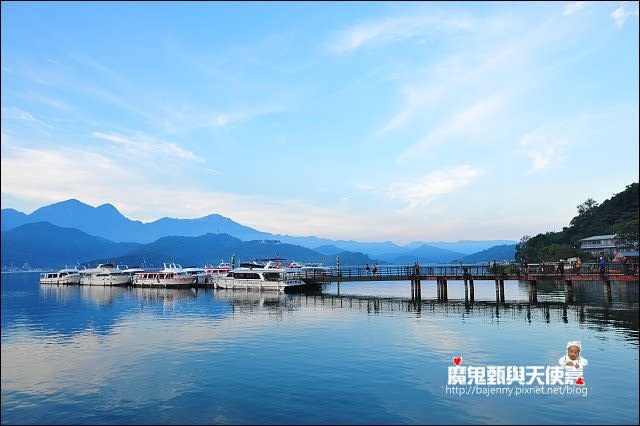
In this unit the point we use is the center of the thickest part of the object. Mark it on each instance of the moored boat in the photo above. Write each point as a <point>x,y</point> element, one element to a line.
<point>63,276</point>
<point>202,277</point>
<point>105,274</point>
<point>261,277</point>
<point>216,272</point>
<point>171,276</point>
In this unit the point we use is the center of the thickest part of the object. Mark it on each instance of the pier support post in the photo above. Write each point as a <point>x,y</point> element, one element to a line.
<point>502,291</point>
<point>607,291</point>
<point>497,291</point>
<point>533,291</point>
<point>444,289</point>
<point>438,289</point>
<point>466,290</point>
<point>418,291</point>
<point>471,292</point>
<point>568,291</point>
<point>415,290</point>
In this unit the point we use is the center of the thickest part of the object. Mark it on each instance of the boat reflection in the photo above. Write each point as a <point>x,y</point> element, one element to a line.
<point>168,296</point>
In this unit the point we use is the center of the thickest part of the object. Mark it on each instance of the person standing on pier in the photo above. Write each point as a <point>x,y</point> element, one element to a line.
<point>367,269</point>
<point>417,266</point>
<point>375,268</point>
<point>603,265</point>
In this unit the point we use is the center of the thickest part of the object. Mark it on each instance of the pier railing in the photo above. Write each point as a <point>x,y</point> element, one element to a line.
<point>477,271</point>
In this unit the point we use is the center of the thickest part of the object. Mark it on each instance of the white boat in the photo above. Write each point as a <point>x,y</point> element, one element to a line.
<point>129,271</point>
<point>312,270</point>
<point>255,276</point>
<point>216,272</point>
<point>63,276</point>
<point>104,274</point>
<point>171,276</point>
<point>202,277</point>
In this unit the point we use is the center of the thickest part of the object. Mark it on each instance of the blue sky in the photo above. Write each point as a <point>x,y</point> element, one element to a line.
<point>368,121</point>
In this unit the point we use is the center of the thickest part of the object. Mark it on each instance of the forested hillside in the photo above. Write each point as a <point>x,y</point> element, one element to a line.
<point>617,215</point>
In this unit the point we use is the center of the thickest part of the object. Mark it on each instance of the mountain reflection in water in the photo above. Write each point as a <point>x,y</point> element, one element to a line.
<point>352,353</point>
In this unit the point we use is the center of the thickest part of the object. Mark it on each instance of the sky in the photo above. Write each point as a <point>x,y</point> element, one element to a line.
<point>366,121</point>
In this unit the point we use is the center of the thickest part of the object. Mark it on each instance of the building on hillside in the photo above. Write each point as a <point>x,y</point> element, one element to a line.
<point>631,255</point>
<point>600,245</point>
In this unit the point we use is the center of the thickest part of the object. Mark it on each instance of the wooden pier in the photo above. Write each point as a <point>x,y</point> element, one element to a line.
<point>470,273</point>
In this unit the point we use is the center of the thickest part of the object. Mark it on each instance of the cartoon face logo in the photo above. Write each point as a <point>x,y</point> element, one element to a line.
<point>572,357</point>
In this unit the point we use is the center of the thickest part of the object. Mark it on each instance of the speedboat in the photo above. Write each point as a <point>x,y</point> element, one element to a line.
<point>171,275</point>
<point>105,274</point>
<point>63,276</point>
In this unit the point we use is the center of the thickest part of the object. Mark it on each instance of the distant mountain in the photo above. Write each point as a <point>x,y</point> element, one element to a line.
<point>107,222</point>
<point>211,248</point>
<point>44,245</point>
<point>497,253</point>
<point>12,218</point>
<point>425,254</point>
<point>466,246</point>
<point>328,249</point>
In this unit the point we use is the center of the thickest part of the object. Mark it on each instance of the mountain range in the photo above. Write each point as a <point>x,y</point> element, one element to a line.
<point>106,222</point>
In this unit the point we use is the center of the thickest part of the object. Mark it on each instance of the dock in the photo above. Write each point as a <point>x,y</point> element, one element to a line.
<point>471,273</point>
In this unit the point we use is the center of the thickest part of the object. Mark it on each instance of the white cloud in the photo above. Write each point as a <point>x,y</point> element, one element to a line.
<point>145,146</point>
<point>620,15</point>
<point>394,29</point>
<point>574,7</point>
<point>544,147</point>
<point>51,175</point>
<point>422,191</point>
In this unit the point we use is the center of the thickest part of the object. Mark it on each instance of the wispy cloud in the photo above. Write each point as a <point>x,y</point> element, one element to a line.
<point>422,191</point>
<point>14,113</point>
<point>144,145</point>
<point>416,98</point>
<point>53,103</point>
<point>574,7</point>
<point>621,14</point>
<point>190,118</point>
<point>395,29</point>
<point>470,121</point>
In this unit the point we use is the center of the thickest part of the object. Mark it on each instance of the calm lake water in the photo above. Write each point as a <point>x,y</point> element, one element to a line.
<point>358,354</point>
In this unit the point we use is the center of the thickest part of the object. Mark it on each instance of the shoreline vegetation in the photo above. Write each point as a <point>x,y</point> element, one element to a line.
<point>616,215</point>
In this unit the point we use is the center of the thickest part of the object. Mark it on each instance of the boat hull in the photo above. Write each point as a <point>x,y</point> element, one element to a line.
<point>118,280</point>
<point>164,282</point>
<point>286,286</point>
<point>68,280</point>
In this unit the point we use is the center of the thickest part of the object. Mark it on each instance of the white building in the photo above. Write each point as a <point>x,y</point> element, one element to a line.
<point>599,245</point>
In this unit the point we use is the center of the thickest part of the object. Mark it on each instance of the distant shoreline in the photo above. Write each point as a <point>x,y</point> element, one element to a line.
<point>30,270</point>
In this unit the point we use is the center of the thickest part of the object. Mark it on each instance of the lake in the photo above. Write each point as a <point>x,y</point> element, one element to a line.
<point>358,353</point>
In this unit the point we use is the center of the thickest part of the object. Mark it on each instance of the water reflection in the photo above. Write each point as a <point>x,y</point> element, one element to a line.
<point>167,296</point>
<point>366,352</point>
<point>550,309</point>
